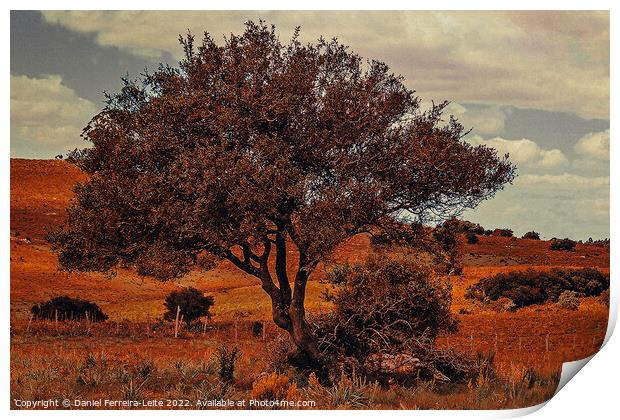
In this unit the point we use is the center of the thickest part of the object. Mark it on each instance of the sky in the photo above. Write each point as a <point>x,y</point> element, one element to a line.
<point>531,84</point>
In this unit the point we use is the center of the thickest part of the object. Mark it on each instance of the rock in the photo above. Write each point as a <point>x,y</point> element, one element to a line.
<point>401,364</point>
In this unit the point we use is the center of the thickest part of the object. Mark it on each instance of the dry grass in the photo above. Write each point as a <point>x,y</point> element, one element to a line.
<point>133,355</point>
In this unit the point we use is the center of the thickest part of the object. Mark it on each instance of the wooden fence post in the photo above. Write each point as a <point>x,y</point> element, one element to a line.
<point>176,322</point>
<point>263,330</point>
<point>495,343</point>
<point>547,342</point>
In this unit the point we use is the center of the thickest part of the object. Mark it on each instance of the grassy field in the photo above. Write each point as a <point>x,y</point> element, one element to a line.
<point>134,355</point>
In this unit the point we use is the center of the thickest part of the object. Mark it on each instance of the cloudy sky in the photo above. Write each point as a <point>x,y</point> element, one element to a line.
<point>533,84</point>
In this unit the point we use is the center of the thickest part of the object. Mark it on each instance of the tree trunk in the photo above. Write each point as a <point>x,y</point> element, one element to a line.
<point>302,335</point>
<point>300,330</point>
<point>287,306</point>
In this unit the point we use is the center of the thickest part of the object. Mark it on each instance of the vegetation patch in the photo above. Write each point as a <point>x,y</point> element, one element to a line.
<point>532,287</point>
<point>506,233</point>
<point>563,245</point>
<point>531,235</point>
<point>65,308</point>
<point>387,314</point>
<point>190,303</point>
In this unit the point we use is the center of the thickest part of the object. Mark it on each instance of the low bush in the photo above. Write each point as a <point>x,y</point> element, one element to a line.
<point>504,304</point>
<point>386,299</point>
<point>569,300</point>
<point>225,360</point>
<point>348,392</point>
<point>65,308</point>
<point>257,328</point>
<point>472,238</point>
<point>507,233</point>
<point>190,302</point>
<point>531,235</point>
<point>603,243</point>
<point>386,309</point>
<point>535,287</point>
<point>562,245</point>
<point>465,226</point>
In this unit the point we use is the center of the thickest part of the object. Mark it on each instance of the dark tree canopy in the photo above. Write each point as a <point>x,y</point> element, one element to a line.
<point>254,146</point>
<point>190,302</point>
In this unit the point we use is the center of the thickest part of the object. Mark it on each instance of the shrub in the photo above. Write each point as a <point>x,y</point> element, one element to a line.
<point>465,226</point>
<point>380,305</point>
<point>569,300</point>
<point>472,238</point>
<point>274,387</point>
<point>347,392</point>
<point>531,235</point>
<point>604,298</point>
<point>66,308</point>
<point>535,287</point>
<point>562,245</point>
<point>504,304</point>
<point>192,302</point>
<point>225,361</point>
<point>603,243</point>
<point>507,233</point>
<point>257,328</point>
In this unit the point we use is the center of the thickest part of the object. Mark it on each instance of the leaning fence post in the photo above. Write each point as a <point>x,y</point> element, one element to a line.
<point>236,330</point>
<point>204,327</point>
<point>87,322</point>
<point>176,322</point>
<point>495,343</point>
<point>471,342</point>
<point>263,330</point>
<point>29,321</point>
<point>547,342</point>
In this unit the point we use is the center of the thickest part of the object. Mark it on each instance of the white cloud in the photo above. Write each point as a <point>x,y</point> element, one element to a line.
<point>562,205</point>
<point>594,145</point>
<point>46,115</point>
<point>526,59</point>
<point>482,120</point>
<point>524,152</point>
<point>565,180</point>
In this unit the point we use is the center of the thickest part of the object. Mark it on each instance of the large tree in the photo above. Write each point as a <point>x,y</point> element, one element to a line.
<point>254,147</point>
